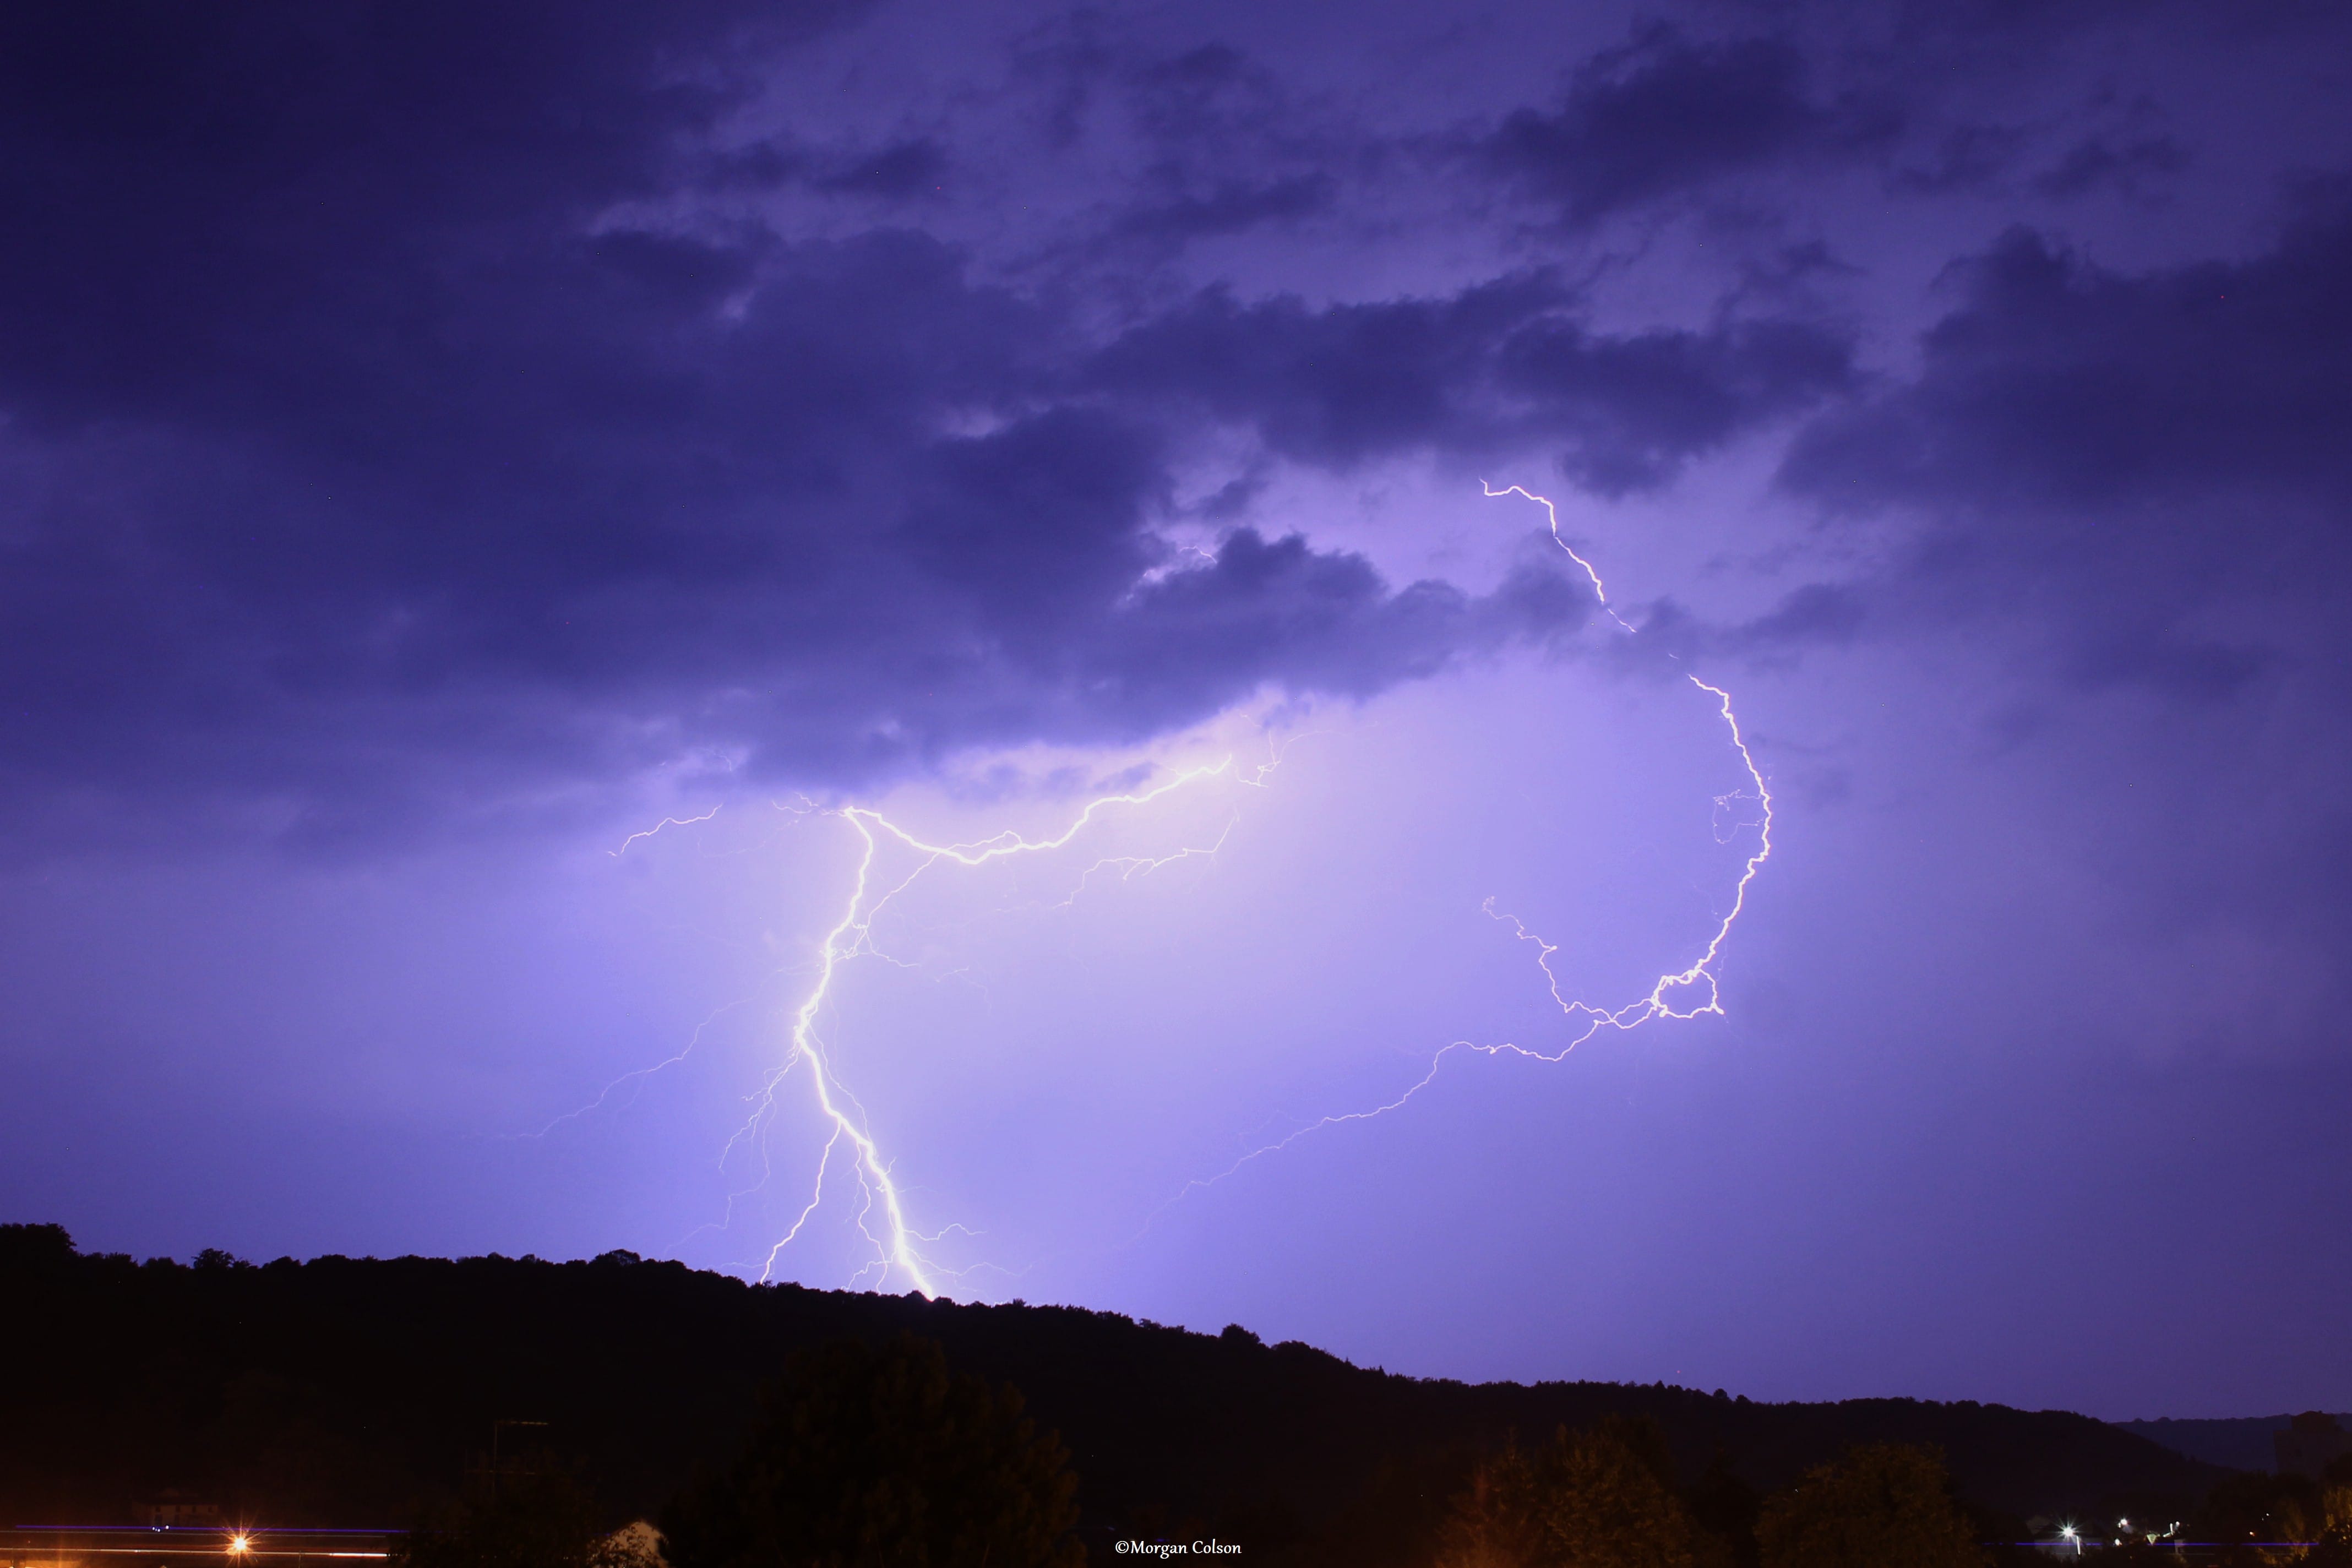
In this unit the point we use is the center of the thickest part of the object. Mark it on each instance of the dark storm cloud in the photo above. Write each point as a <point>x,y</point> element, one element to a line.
<point>1982,158</point>
<point>408,403</point>
<point>2100,161</point>
<point>178,179</point>
<point>623,526</point>
<point>2060,383</point>
<point>1501,365</point>
<point>1221,146</point>
<point>2141,443</point>
<point>1635,408</point>
<point>1967,157</point>
<point>1663,114</point>
<point>1815,614</point>
<point>901,170</point>
<point>1674,639</point>
<point>363,457</point>
<point>1231,206</point>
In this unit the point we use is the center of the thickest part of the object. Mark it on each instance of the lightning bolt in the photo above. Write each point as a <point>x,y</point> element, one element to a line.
<point>1599,591</point>
<point>1699,978</point>
<point>1684,993</point>
<point>657,828</point>
<point>1658,1003</point>
<point>851,936</point>
<point>1694,986</point>
<point>641,1074</point>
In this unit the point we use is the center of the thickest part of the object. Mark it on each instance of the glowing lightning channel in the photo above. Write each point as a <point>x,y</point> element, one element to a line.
<point>1698,979</point>
<point>851,936</point>
<point>1659,1003</point>
<point>641,1074</point>
<point>1600,592</point>
<point>1685,994</point>
<point>657,828</point>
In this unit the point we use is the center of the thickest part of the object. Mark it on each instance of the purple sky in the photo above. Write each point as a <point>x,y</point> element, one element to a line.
<point>435,446</point>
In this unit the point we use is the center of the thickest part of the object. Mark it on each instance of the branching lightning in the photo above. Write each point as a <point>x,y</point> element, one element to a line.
<point>641,1074</point>
<point>1684,993</point>
<point>657,828</point>
<point>851,936</point>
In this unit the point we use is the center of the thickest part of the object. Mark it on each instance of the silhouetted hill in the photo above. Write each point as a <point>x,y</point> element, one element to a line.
<point>2241,1443</point>
<point>341,1391</point>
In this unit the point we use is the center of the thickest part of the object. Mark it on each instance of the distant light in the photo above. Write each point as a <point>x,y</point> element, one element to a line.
<point>236,1544</point>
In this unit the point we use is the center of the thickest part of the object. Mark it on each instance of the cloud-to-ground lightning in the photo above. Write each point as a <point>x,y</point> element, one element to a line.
<point>1687,993</point>
<point>853,935</point>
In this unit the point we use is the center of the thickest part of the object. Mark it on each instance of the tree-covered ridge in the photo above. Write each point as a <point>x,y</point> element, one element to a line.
<point>344,1391</point>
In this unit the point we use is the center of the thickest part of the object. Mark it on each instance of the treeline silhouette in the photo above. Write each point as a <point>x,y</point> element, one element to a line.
<point>360,1392</point>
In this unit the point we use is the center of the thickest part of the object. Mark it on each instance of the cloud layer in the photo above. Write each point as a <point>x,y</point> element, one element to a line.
<point>403,403</point>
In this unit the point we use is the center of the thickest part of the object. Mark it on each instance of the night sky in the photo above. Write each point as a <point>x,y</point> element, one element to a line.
<point>483,488</point>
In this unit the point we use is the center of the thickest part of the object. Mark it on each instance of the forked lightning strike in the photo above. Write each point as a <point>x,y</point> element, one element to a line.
<point>1685,994</point>
<point>1698,979</point>
<point>853,935</point>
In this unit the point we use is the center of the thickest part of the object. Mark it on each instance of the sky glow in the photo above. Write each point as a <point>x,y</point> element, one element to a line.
<point>1682,994</point>
<point>568,587</point>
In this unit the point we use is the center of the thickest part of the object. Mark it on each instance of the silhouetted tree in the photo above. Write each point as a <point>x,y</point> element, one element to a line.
<point>1494,1521</point>
<point>1883,1506</point>
<point>535,1520</point>
<point>1727,1507</point>
<point>29,1250</point>
<point>2255,1507</point>
<point>1602,1498</point>
<point>880,1457</point>
<point>2335,1548</point>
<point>338,1390</point>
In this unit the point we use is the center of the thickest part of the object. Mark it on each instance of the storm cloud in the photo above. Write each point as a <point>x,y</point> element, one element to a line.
<point>392,413</point>
<point>476,482</point>
<point>2145,444</point>
<point>1666,115</point>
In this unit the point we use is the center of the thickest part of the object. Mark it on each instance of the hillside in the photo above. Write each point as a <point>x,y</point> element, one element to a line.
<point>342,1391</point>
<point>2241,1443</point>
